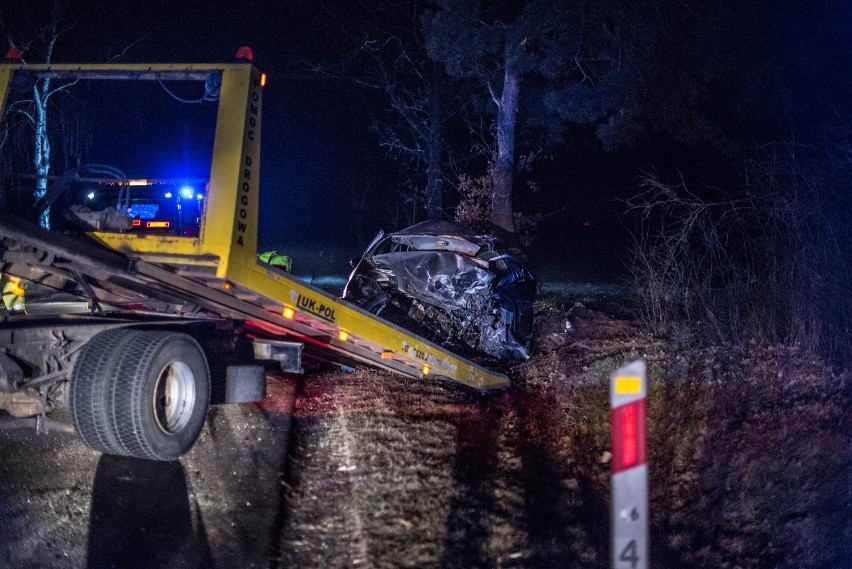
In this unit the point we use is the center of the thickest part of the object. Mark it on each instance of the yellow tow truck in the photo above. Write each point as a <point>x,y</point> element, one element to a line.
<point>173,318</point>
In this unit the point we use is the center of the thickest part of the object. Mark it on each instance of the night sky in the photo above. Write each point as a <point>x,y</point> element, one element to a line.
<point>784,68</point>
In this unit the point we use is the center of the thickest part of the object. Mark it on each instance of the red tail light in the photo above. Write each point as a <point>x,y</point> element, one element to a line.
<point>244,54</point>
<point>14,54</point>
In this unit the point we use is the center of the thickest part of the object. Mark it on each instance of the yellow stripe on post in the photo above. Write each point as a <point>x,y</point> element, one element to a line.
<point>628,385</point>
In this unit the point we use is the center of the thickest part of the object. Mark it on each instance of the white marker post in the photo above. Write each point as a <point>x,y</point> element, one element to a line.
<point>629,468</point>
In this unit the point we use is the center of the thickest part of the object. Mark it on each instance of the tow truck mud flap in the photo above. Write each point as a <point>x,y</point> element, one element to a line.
<point>287,354</point>
<point>245,384</point>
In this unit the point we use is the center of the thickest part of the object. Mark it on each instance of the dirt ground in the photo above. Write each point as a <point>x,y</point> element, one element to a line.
<point>749,455</point>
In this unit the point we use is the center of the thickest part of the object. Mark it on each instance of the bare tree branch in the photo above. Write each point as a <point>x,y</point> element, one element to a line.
<point>127,48</point>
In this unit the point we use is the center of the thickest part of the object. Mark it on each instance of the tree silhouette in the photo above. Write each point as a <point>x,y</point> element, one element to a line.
<point>579,60</point>
<point>380,48</point>
<point>35,111</point>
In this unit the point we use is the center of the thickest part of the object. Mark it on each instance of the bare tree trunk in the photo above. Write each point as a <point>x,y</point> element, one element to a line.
<point>42,147</point>
<point>434,197</point>
<point>504,168</point>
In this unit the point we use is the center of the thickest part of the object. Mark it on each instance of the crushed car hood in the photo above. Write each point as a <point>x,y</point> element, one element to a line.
<point>451,275</point>
<point>446,279</point>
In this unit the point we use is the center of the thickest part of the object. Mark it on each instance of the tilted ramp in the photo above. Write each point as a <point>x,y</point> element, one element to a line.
<point>268,299</point>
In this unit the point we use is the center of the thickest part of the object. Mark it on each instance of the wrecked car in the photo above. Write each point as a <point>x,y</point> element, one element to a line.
<point>450,284</point>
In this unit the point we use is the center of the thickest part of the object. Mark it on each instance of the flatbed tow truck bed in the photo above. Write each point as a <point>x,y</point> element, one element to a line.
<point>175,281</point>
<point>266,298</point>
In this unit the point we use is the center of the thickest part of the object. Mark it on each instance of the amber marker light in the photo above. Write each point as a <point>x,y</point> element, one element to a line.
<point>16,289</point>
<point>227,286</point>
<point>425,370</point>
<point>288,312</point>
<point>263,79</point>
<point>387,354</point>
<point>343,335</point>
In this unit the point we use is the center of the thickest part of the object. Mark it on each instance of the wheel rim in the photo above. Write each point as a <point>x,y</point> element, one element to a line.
<point>174,397</point>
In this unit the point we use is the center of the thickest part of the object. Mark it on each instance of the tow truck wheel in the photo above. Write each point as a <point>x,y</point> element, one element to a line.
<point>148,400</point>
<point>90,389</point>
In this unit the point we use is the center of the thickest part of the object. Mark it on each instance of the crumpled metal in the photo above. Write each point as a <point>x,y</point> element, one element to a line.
<point>459,285</point>
<point>446,279</point>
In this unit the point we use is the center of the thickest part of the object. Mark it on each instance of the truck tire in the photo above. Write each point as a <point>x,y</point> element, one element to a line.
<point>89,392</point>
<point>156,391</point>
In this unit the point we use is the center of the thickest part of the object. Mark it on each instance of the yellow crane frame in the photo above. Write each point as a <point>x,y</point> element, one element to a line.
<point>223,256</point>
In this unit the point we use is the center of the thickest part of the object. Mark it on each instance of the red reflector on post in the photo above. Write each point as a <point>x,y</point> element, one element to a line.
<point>628,436</point>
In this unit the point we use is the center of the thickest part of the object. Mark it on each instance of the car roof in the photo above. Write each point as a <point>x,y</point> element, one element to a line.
<point>440,227</point>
